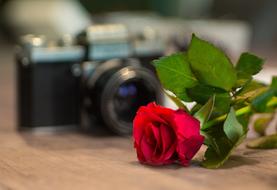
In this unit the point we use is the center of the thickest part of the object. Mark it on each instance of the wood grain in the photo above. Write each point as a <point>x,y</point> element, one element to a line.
<point>72,160</point>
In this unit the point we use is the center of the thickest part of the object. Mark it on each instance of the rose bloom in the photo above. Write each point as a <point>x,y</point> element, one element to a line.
<point>162,135</point>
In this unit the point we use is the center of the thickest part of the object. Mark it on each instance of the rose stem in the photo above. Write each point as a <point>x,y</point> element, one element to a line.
<point>239,112</point>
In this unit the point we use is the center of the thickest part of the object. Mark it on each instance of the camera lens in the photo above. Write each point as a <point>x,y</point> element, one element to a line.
<point>116,91</point>
<point>130,96</point>
<point>125,91</point>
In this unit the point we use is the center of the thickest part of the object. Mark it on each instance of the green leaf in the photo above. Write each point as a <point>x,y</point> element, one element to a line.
<point>232,128</point>
<point>175,74</point>
<point>244,119</point>
<point>219,148</point>
<point>265,142</point>
<point>249,64</point>
<point>221,141</point>
<point>259,103</point>
<point>242,79</point>
<point>202,93</point>
<point>210,65</point>
<point>262,123</point>
<point>274,84</point>
<point>250,87</point>
<point>205,111</point>
<point>182,94</point>
<point>250,91</point>
<point>272,103</point>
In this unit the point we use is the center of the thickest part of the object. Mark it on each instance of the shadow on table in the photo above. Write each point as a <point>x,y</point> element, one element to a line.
<point>173,166</point>
<point>237,161</point>
<point>233,162</point>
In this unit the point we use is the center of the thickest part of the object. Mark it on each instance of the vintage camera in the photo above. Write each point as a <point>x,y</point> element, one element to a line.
<point>101,76</point>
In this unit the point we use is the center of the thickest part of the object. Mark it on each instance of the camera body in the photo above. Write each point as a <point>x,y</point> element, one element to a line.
<point>101,75</point>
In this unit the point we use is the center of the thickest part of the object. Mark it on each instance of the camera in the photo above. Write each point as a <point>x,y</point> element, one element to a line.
<point>102,75</point>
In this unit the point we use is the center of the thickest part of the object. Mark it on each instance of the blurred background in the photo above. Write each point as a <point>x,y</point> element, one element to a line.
<point>235,26</point>
<point>248,24</point>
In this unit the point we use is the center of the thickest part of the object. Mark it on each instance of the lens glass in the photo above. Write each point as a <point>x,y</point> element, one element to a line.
<point>130,96</point>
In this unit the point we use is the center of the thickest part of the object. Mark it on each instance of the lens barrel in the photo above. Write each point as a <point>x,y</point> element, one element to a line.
<point>118,91</point>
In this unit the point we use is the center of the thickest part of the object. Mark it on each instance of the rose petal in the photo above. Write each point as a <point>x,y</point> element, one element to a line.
<point>163,112</point>
<point>144,116</point>
<point>156,113</point>
<point>146,149</point>
<point>156,133</point>
<point>187,148</point>
<point>140,154</point>
<point>165,147</point>
<point>185,125</point>
<point>150,137</point>
<point>167,136</point>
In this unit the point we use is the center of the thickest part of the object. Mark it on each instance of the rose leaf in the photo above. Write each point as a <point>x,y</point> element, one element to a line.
<point>219,148</point>
<point>204,113</point>
<point>175,74</point>
<point>248,65</point>
<point>202,93</point>
<point>274,84</point>
<point>249,91</point>
<point>259,104</point>
<point>210,65</point>
<point>221,141</point>
<point>265,142</point>
<point>233,129</point>
<point>262,123</point>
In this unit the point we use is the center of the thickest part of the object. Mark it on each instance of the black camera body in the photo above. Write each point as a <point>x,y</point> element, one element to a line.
<point>102,75</point>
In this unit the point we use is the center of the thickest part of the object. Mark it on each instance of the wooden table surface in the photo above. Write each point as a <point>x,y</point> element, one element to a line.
<point>73,160</point>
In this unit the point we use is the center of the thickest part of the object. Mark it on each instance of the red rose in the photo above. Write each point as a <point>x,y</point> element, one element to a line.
<point>162,135</point>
